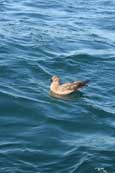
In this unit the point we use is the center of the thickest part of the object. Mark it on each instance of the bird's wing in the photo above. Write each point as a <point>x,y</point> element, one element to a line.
<point>68,86</point>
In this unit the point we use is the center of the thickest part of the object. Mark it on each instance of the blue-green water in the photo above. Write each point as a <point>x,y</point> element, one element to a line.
<point>72,39</point>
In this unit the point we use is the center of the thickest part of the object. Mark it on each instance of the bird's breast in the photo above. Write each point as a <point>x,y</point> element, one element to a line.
<point>54,87</point>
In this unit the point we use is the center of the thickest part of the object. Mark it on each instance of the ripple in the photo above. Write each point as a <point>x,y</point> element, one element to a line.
<point>40,132</point>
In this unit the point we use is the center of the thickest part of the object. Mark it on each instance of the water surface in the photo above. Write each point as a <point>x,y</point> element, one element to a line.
<point>40,133</point>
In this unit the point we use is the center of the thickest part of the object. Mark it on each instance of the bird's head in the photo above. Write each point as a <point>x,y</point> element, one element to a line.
<point>55,79</point>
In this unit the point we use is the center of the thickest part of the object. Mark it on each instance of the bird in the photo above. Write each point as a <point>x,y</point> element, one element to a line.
<point>58,88</point>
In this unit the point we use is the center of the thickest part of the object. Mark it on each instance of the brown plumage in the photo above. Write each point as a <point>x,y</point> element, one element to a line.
<point>66,88</point>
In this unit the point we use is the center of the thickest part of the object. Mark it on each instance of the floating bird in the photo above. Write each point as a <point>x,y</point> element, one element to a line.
<point>67,88</point>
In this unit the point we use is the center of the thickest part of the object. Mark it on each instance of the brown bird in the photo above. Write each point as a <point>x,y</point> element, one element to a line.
<point>67,88</point>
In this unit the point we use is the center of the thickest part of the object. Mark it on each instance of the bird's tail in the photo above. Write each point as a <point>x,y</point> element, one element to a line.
<point>85,82</point>
<point>81,84</point>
